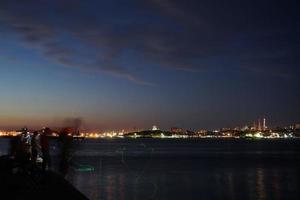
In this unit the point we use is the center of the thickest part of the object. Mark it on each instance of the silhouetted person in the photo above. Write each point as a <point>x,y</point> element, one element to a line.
<point>45,149</point>
<point>35,146</point>
<point>66,144</point>
<point>23,149</point>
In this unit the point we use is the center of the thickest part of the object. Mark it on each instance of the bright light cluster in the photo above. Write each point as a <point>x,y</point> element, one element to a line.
<point>9,133</point>
<point>103,135</point>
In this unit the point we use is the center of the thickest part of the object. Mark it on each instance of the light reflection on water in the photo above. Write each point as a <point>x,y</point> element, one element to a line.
<point>164,169</point>
<point>169,181</point>
<point>149,176</point>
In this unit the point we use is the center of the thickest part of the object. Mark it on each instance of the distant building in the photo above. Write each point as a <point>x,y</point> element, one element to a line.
<point>245,128</point>
<point>259,125</point>
<point>225,129</point>
<point>190,133</point>
<point>202,132</point>
<point>264,124</point>
<point>297,126</point>
<point>155,128</point>
<point>177,130</point>
<point>254,128</point>
<point>237,128</point>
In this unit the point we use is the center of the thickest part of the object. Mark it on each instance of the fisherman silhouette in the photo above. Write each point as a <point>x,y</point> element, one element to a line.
<point>22,150</point>
<point>66,144</point>
<point>45,149</point>
<point>35,147</point>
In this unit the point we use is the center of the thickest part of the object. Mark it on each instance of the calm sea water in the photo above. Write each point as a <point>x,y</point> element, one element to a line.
<point>124,169</point>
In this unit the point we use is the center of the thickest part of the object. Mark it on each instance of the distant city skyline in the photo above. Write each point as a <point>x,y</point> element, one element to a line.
<point>258,125</point>
<point>124,64</point>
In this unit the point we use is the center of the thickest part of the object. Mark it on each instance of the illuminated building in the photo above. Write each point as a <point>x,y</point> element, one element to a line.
<point>225,129</point>
<point>237,128</point>
<point>264,124</point>
<point>155,128</point>
<point>259,125</point>
<point>202,132</point>
<point>176,130</point>
<point>245,128</point>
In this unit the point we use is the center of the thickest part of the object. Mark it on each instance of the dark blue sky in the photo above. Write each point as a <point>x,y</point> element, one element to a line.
<point>123,64</point>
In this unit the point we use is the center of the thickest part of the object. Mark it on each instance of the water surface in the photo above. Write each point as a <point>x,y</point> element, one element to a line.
<point>185,168</point>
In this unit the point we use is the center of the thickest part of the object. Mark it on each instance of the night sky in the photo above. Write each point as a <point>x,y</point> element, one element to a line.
<point>135,63</point>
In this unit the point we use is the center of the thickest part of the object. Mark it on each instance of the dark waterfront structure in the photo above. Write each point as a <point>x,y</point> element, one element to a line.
<point>34,184</point>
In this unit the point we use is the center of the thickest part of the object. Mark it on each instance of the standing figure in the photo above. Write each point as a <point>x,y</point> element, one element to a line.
<point>66,145</point>
<point>45,149</point>
<point>35,147</point>
<point>23,150</point>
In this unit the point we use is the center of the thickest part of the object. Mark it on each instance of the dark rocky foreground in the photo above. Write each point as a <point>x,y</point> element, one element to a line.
<point>33,183</point>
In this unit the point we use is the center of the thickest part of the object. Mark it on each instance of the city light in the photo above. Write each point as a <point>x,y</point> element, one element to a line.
<point>246,131</point>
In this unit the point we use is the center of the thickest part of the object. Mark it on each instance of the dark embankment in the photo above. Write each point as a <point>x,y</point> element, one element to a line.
<point>33,183</point>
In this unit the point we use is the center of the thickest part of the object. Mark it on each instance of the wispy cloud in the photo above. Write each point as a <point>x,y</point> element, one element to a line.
<point>32,21</point>
<point>94,35</point>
